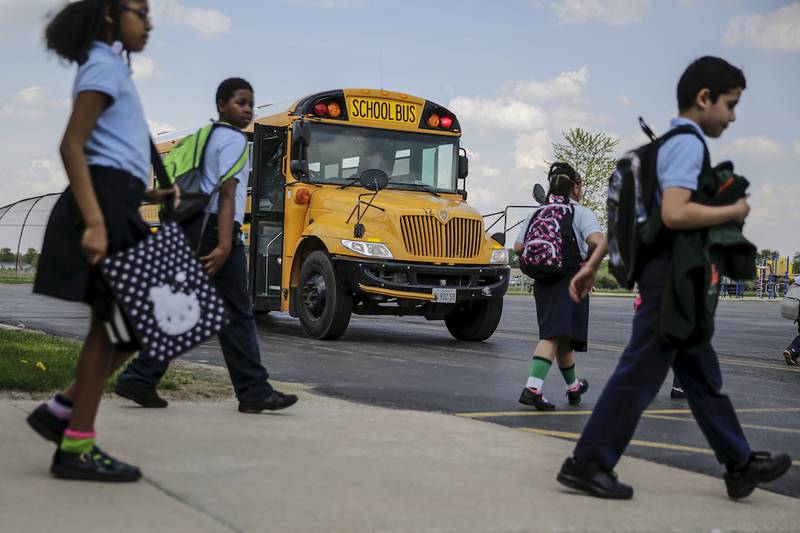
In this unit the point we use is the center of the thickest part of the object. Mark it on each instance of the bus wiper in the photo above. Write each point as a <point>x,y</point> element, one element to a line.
<point>352,181</point>
<point>423,188</point>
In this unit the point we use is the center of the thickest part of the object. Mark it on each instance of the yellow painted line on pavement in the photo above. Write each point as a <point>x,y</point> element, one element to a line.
<point>749,426</point>
<point>633,442</point>
<point>500,414</point>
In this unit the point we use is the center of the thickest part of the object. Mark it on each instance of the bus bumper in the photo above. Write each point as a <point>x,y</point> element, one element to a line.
<point>423,281</point>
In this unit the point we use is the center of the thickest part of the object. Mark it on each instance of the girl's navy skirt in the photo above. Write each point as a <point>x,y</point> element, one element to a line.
<point>63,270</point>
<point>558,315</point>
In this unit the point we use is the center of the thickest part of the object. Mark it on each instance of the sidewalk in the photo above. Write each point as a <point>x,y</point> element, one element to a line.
<point>331,465</point>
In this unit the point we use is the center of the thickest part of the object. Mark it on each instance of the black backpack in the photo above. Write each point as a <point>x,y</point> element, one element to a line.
<point>634,226</point>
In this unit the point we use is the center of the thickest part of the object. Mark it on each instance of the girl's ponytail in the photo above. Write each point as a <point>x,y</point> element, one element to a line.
<point>561,179</point>
<point>71,31</point>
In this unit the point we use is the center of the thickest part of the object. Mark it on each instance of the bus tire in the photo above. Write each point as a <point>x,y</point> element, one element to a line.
<point>475,320</point>
<point>324,306</point>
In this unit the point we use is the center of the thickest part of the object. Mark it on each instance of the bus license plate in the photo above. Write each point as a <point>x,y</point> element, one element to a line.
<point>444,296</point>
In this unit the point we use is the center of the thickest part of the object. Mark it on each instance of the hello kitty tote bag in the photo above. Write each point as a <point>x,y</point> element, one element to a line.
<point>168,300</point>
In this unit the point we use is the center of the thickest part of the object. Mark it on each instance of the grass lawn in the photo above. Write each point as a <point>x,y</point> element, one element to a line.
<point>12,278</point>
<point>35,362</point>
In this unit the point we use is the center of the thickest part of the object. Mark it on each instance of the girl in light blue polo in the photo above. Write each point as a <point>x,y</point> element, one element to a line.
<point>563,324</point>
<point>106,155</point>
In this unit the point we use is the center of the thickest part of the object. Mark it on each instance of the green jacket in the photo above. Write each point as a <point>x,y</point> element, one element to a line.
<point>698,259</point>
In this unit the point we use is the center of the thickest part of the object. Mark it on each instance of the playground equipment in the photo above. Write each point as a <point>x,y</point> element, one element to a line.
<point>774,276</point>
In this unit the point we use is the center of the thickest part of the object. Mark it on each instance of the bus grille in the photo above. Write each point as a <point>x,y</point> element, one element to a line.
<point>426,236</point>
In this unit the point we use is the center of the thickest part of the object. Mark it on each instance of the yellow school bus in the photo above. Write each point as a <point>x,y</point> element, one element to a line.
<point>355,207</point>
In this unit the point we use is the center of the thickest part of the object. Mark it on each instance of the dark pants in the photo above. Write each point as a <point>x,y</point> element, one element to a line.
<point>238,338</point>
<point>638,377</point>
<point>795,345</point>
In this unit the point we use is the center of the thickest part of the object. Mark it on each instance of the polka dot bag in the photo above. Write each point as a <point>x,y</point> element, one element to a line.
<point>167,298</point>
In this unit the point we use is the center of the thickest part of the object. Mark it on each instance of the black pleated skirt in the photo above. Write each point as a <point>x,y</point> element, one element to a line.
<point>558,315</point>
<point>63,270</point>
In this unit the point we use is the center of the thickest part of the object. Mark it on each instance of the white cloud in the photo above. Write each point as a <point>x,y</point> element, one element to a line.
<point>144,67</point>
<point>43,176</point>
<point>769,204</point>
<point>565,85</point>
<point>531,150</point>
<point>157,128</point>
<point>624,99</point>
<point>610,12</point>
<point>775,31</point>
<point>13,111</point>
<point>796,147</point>
<point>31,95</point>
<point>329,4</point>
<point>498,114</point>
<point>209,23</point>
<point>760,146</point>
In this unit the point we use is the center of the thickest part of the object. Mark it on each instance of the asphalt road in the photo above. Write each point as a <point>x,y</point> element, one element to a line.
<point>411,363</point>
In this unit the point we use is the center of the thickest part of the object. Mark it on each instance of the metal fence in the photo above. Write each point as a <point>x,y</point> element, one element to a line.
<point>22,227</point>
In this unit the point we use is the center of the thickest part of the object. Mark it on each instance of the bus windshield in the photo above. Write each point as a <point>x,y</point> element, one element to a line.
<point>338,154</point>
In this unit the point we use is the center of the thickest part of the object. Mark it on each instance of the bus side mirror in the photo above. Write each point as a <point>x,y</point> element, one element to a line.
<point>463,167</point>
<point>299,167</point>
<point>301,134</point>
<point>500,237</point>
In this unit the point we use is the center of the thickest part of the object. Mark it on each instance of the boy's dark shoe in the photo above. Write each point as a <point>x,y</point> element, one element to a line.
<point>46,424</point>
<point>574,397</point>
<point>762,467</point>
<point>529,397</point>
<point>677,393</point>
<point>144,396</point>
<point>274,402</point>
<point>589,477</point>
<point>791,357</point>
<point>92,466</point>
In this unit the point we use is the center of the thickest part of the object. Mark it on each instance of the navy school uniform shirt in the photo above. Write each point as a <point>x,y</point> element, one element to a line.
<point>120,139</point>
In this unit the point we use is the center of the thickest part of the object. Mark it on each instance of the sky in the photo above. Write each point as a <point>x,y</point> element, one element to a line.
<point>517,73</point>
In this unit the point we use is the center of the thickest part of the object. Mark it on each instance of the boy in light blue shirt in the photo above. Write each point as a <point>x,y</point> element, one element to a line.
<point>222,255</point>
<point>708,92</point>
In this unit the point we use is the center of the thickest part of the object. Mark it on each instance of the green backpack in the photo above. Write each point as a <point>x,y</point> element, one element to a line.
<point>184,168</point>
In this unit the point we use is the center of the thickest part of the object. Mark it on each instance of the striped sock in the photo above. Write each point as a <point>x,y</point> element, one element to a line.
<point>78,441</point>
<point>539,369</point>
<point>569,377</point>
<point>60,406</point>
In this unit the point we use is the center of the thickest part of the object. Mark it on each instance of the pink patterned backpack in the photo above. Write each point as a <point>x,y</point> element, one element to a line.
<point>550,247</point>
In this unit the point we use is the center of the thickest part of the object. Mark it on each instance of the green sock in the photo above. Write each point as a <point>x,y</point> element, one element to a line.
<point>539,369</point>
<point>569,375</point>
<point>73,445</point>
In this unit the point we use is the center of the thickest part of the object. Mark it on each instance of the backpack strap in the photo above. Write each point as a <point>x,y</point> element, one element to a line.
<point>682,130</point>
<point>205,133</point>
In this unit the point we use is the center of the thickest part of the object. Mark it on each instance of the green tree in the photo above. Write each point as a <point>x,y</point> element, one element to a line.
<point>6,255</point>
<point>513,258</point>
<point>591,155</point>
<point>31,257</point>
<point>767,254</point>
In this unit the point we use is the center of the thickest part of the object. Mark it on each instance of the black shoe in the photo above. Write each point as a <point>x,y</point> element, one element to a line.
<point>274,402</point>
<point>574,397</point>
<point>677,393</point>
<point>528,397</point>
<point>92,466</point>
<point>791,357</point>
<point>588,477</point>
<point>46,424</point>
<point>762,467</point>
<point>144,396</point>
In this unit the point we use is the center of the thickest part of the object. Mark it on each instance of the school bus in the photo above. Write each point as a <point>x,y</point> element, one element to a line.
<point>355,207</point>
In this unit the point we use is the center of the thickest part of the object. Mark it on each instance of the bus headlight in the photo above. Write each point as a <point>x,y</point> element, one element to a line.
<point>499,257</point>
<point>369,249</point>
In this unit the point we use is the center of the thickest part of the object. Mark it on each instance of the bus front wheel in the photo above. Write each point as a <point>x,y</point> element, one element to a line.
<point>475,320</point>
<point>325,306</point>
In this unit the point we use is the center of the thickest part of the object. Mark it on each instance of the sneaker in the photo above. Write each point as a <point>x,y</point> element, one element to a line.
<point>144,396</point>
<point>274,402</point>
<point>761,467</point>
<point>531,397</point>
<point>92,466</point>
<point>574,396</point>
<point>677,393</point>
<point>46,424</point>
<point>589,477</point>
<point>791,357</point>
